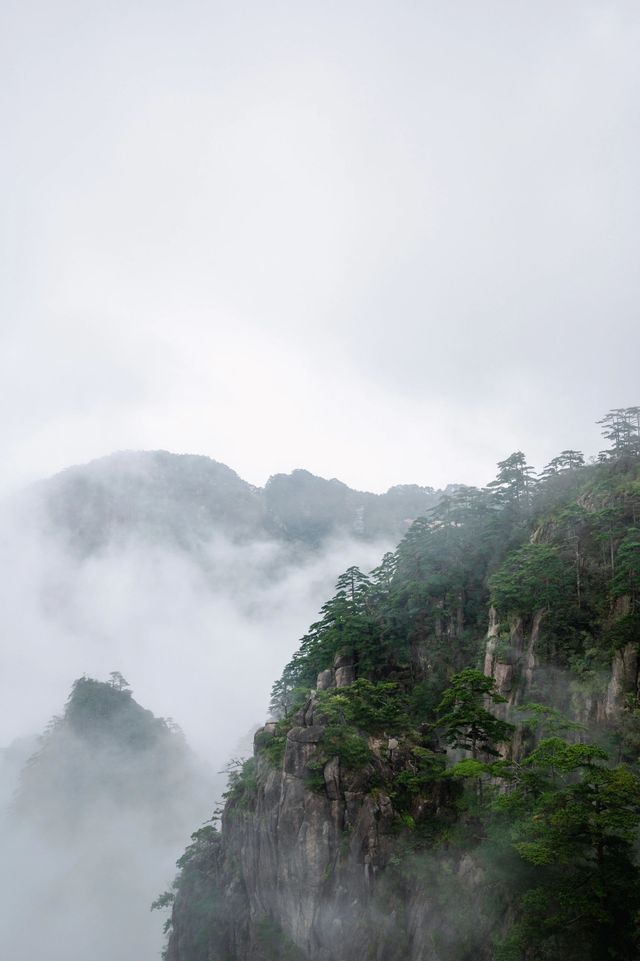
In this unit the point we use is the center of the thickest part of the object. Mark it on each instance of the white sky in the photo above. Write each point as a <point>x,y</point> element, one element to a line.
<point>389,242</point>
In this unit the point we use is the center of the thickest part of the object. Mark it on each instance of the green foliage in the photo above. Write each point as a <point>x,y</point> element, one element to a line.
<point>513,487</point>
<point>567,460</point>
<point>554,829</point>
<point>242,783</point>
<point>104,748</point>
<point>625,630</point>
<point>375,708</point>
<point>204,842</point>
<point>352,714</point>
<point>118,681</point>
<point>575,820</point>
<point>273,745</point>
<point>533,578</point>
<point>195,885</point>
<point>626,736</point>
<point>273,944</point>
<point>540,579</point>
<point>469,768</point>
<point>100,710</point>
<point>463,718</point>
<point>626,579</point>
<point>347,744</point>
<point>423,768</point>
<point>314,777</point>
<point>621,427</point>
<point>544,720</point>
<point>352,749</point>
<point>347,626</point>
<point>163,901</point>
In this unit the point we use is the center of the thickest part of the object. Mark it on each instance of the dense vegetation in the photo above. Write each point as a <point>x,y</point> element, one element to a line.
<point>566,545</point>
<point>542,794</point>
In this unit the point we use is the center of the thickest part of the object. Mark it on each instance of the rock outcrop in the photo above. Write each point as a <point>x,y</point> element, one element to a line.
<point>356,832</point>
<point>310,859</point>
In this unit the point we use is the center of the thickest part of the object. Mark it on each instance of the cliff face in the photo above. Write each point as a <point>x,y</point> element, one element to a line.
<point>310,872</point>
<point>380,847</point>
<point>517,671</point>
<point>325,873</point>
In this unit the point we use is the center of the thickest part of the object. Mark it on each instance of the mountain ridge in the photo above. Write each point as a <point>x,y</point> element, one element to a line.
<point>188,498</point>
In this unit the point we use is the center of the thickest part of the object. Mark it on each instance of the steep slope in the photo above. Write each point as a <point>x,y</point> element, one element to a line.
<point>408,805</point>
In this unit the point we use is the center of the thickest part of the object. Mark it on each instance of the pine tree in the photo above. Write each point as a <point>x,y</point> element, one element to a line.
<point>463,716</point>
<point>514,483</point>
<point>621,427</point>
<point>576,821</point>
<point>565,461</point>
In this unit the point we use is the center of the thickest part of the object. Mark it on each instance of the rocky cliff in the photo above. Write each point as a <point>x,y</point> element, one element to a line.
<point>309,866</point>
<point>370,823</point>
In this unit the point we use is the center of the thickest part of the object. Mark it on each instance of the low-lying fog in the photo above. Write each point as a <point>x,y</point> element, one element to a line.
<point>198,642</point>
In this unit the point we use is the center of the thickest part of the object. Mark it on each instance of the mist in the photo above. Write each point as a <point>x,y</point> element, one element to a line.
<point>83,855</point>
<point>200,637</point>
<point>227,227</point>
<point>390,243</point>
<point>199,645</point>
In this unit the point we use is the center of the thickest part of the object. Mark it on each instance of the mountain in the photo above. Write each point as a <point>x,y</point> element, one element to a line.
<point>105,751</point>
<point>180,572</point>
<point>453,768</point>
<point>183,500</point>
<point>100,811</point>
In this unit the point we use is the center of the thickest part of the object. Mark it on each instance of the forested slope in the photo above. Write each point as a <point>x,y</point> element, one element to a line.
<point>453,768</point>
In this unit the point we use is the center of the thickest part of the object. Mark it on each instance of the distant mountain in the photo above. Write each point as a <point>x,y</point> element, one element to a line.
<point>106,752</point>
<point>12,760</point>
<point>102,808</point>
<point>185,499</point>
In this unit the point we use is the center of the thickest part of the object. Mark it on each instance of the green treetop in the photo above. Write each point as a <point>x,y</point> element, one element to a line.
<point>464,718</point>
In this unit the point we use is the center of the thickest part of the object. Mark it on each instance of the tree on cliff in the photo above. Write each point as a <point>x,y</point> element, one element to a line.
<point>621,427</point>
<point>575,822</point>
<point>534,578</point>
<point>464,718</point>
<point>117,681</point>
<point>514,483</point>
<point>347,626</point>
<point>626,580</point>
<point>538,848</point>
<point>565,461</point>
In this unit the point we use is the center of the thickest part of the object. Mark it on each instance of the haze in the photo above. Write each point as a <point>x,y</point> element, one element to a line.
<point>384,242</point>
<point>200,636</point>
<point>296,234</point>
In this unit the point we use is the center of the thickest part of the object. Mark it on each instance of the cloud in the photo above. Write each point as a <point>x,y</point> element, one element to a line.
<point>201,638</point>
<point>214,222</point>
<point>201,642</point>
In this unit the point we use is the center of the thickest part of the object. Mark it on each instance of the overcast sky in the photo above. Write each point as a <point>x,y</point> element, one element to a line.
<point>389,242</point>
